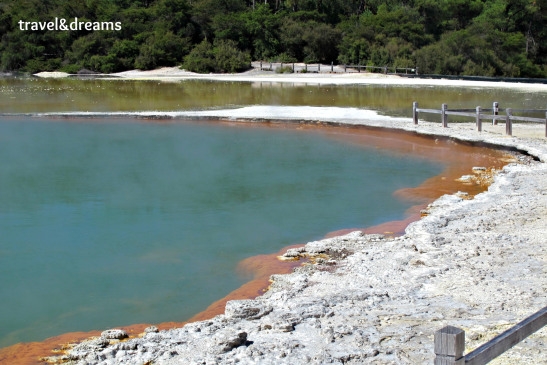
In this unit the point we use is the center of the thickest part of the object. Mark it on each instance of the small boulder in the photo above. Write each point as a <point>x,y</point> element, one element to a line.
<point>466,178</point>
<point>293,253</point>
<point>248,309</point>
<point>114,334</point>
<point>151,329</point>
<point>92,345</point>
<point>227,341</point>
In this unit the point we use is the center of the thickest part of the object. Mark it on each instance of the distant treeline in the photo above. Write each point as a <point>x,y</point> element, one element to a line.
<point>453,37</point>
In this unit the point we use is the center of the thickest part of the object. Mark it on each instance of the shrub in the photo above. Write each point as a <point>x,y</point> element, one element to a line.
<point>284,70</point>
<point>71,68</point>
<point>285,58</point>
<point>161,49</point>
<point>200,59</point>
<point>229,59</point>
<point>223,57</point>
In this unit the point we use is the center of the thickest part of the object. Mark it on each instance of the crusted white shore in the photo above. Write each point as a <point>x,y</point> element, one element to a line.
<point>325,77</point>
<point>477,264</point>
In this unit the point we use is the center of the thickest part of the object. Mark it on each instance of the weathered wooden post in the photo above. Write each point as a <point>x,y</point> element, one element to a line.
<point>293,67</point>
<point>495,111</point>
<point>508,123</point>
<point>260,65</point>
<point>345,68</point>
<point>416,70</point>
<point>331,66</point>
<point>318,67</point>
<point>271,67</point>
<point>444,117</point>
<point>306,66</point>
<point>478,119</point>
<point>415,112</point>
<point>385,70</point>
<point>449,346</point>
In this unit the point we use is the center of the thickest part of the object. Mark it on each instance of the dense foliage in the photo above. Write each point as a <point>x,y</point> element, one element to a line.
<point>459,37</point>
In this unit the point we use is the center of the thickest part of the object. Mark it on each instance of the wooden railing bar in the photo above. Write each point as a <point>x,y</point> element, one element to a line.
<point>463,114</point>
<point>507,339</point>
<point>528,119</point>
<point>433,111</point>
<point>449,342</point>
<point>528,110</point>
<point>493,117</point>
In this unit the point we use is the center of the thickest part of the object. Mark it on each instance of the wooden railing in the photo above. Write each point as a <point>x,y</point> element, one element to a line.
<point>480,114</point>
<point>317,67</point>
<point>383,68</point>
<point>308,67</point>
<point>450,342</point>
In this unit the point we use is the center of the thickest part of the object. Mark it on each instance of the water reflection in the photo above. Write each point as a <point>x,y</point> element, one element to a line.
<point>30,95</point>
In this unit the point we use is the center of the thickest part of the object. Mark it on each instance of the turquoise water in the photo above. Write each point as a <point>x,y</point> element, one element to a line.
<point>108,223</point>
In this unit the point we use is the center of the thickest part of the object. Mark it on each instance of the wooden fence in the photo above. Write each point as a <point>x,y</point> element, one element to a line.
<point>384,69</point>
<point>317,67</point>
<point>308,67</point>
<point>450,342</point>
<point>480,114</point>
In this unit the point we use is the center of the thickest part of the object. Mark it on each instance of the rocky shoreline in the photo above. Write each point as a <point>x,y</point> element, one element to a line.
<point>478,264</point>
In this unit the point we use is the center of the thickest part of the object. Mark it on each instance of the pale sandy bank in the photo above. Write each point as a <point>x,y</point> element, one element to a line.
<point>325,78</point>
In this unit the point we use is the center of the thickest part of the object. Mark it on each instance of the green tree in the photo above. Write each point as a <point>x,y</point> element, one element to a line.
<point>230,59</point>
<point>475,37</point>
<point>201,58</point>
<point>161,49</point>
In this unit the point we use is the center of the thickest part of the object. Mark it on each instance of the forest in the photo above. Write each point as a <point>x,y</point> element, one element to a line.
<point>447,37</point>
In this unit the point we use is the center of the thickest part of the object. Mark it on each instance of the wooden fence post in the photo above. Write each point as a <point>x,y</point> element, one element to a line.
<point>444,117</point>
<point>306,65</point>
<point>260,65</point>
<point>385,70</point>
<point>508,123</point>
<point>478,119</point>
<point>293,67</point>
<point>345,67</point>
<point>415,112</point>
<point>331,66</point>
<point>495,111</point>
<point>416,70</point>
<point>449,346</point>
